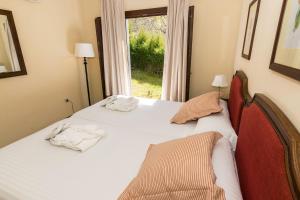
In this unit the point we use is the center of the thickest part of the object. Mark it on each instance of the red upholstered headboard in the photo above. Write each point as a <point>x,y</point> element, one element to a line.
<point>268,153</point>
<point>238,97</point>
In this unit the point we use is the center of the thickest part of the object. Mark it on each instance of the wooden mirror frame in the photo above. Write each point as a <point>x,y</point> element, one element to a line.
<point>248,56</point>
<point>14,33</point>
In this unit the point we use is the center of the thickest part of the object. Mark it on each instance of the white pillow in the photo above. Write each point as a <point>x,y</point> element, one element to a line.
<point>225,170</point>
<point>219,122</point>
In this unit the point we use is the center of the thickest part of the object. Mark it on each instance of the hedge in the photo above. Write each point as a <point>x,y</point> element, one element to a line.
<point>147,52</point>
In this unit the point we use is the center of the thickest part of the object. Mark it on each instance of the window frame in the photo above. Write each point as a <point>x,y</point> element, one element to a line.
<point>148,13</point>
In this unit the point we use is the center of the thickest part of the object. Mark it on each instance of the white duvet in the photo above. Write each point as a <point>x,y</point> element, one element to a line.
<point>32,169</point>
<point>150,116</point>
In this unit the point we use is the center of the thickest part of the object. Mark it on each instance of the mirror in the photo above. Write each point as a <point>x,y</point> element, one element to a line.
<point>11,58</point>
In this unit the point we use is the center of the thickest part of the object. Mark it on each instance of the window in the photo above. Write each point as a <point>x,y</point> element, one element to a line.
<point>147,29</point>
<point>147,48</point>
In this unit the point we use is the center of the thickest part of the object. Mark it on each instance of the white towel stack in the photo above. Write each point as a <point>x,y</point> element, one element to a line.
<point>120,103</point>
<point>76,137</point>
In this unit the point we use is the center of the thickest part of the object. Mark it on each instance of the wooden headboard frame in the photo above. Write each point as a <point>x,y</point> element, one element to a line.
<point>289,137</point>
<point>247,97</point>
<point>239,96</point>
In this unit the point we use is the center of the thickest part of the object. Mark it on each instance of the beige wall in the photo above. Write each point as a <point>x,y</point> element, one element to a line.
<point>214,45</point>
<point>47,33</point>
<point>282,90</point>
<point>89,11</point>
<point>216,28</point>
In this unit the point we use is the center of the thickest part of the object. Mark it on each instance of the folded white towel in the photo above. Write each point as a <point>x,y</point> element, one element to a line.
<point>120,103</point>
<point>79,138</point>
<point>123,104</point>
<point>108,100</point>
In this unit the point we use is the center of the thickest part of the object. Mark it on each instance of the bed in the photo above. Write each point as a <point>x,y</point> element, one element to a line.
<point>32,169</point>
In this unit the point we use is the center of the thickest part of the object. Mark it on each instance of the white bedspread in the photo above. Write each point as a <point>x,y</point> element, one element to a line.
<point>150,116</point>
<point>32,169</point>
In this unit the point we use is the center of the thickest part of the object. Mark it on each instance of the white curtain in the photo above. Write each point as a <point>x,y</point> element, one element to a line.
<point>116,64</point>
<point>175,66</point>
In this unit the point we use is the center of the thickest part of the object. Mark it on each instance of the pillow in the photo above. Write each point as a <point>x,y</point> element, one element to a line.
<point>220,123</point>
<point>225,170</point>
<point>198,107</point>
<point>179,169</point>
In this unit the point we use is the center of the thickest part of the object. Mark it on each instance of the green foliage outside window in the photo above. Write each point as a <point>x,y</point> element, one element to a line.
<point>147,51</point>
<point>147,42</point>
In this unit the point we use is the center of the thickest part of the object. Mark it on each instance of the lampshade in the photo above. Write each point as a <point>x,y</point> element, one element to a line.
<point>84,50</point>
<point>220,81</point>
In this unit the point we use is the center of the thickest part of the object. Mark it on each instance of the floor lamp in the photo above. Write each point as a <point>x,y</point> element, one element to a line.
<point>85,50</point>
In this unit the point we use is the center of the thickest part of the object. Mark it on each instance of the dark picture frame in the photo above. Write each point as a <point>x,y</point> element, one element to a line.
<point>247,55</point>
<point>15,38</point>
<point>281,68</point>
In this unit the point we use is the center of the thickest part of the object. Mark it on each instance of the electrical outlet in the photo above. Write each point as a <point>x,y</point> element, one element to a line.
<point>69,101</point>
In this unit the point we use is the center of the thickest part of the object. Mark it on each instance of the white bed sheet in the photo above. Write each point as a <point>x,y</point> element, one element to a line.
<point>32,169</point>
<point>152,116</point>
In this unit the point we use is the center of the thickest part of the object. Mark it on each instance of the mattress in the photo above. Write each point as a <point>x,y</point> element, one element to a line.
<point>32,169</point>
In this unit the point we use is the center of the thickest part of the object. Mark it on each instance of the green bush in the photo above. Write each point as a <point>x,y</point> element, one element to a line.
<point>147,51</point>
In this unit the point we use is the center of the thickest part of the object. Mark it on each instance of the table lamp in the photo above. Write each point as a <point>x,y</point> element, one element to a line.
<point>220,81</point>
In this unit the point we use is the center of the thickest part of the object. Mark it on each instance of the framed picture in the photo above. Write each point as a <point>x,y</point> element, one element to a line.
<point>250,28</point>
<point>286,51</point>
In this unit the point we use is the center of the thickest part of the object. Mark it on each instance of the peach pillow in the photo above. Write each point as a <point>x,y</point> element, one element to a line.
<point>198,107</point>
<point>177,170</point>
